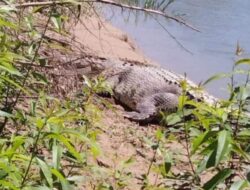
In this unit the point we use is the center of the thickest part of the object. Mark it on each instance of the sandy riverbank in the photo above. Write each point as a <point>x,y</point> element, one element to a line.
<point>122,139</point>
<point>104,40</point>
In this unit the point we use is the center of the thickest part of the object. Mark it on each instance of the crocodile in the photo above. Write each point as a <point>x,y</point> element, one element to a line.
<point>148,89</point>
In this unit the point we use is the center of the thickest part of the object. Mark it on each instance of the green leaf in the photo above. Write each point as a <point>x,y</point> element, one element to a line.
<point>40,77</point>
<point>244,93</point>
<point>128,161</point>
<point>248,177</point>
<point>66,142</point>
<point>14,84</point>
<point>6,184</point>
<point>211,161</point>
<point>218,178</point>
<point>41,188</point>
<point>199,140</point>
<point>5,114</point>
<point>87,81</point>
<point>95,149</point>
<point>239,185</point>
<point>31,49</point>
<point>215,77</point>
<point>57,21</point>
<point>182,100</point>
<point>165,168</point>
<point>159,134</point>
<point>7,24</point>
<point>7,8</point>
<point>237,149</point>
<point>3,174</point>
<point>9,68</point>
<point>244,133</point>
<point>37,9</point>
<point>33,108</point>
<point>40,123</point>
<point>243,61</point>
<point>173,119</point>
<point>18,141</point>
<point>57,151</point>
<point>55,120</point>
<point>46,171</point>
<point>64,182</point>
<point>223,145</point>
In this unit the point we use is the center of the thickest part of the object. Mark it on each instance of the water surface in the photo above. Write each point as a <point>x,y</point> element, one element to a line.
<point>222,23</point>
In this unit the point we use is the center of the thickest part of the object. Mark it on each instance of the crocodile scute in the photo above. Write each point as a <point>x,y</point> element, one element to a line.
<point>147,89</point>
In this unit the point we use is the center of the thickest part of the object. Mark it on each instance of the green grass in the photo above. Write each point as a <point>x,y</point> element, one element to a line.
<point>52,143</point>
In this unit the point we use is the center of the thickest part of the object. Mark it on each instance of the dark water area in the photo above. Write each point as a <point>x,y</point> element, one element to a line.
<point>222,23</point>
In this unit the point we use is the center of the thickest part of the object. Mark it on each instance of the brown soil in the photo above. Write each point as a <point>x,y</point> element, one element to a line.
<point>93,39</point>
<point>104,40</point>
<point>123,139</point>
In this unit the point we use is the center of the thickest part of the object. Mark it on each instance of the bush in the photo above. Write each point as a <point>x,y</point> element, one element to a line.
<point>51,143</point>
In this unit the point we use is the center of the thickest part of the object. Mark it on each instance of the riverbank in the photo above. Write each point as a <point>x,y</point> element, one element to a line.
<point>121,139</point>
<point>104,40</point>
<point>59,132</point>
<point>126,147</point>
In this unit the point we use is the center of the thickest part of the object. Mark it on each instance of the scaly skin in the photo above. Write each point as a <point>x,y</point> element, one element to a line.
<point>148,89</point>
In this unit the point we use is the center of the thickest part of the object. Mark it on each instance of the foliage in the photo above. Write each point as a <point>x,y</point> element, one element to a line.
<point>51,143</point>
<point>43,139</point>
<point>216,137</point>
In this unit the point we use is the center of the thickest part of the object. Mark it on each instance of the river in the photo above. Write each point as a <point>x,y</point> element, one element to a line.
<point>222,24</point>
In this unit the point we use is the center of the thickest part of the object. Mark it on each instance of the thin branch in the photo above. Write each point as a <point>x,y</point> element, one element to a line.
<point>186,134</point>
<point>153,158</point>
<point>34,65</point>
<point>241,105</point>
<point>45,3</point>
<point>13,104</point>
<point>33,154</point>
<point>110,2</point>
<point>152,11</point>
<point>172,36</point>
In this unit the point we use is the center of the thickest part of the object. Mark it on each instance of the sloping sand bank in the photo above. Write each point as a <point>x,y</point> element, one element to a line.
<point>123,139</point>
<point>102,39</point>
<point>93,39</point>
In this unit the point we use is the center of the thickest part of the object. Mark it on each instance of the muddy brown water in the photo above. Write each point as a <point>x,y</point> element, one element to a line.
<point>222,24</point>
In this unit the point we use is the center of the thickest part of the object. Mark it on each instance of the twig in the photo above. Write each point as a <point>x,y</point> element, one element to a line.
<point>34,65</point>
<point>153,158</point>
<point>152,11</point>
<point>13,104</point>
<point>110,2</point>
<point>186,137</point>
<point>45,3</point>
<point>241,105</point>
<point>172,36</point>
<point>34,150</point>
<point>63,42</point>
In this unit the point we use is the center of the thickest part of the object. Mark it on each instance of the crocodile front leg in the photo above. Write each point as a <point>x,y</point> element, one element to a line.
<point>150,106</point>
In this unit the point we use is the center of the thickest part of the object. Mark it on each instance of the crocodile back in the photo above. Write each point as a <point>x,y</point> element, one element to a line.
<point>131,83</point>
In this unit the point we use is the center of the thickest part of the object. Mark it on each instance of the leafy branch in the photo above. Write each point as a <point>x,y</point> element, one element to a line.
<point>110,2</point>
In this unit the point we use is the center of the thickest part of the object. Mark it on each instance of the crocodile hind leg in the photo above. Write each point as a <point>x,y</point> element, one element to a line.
<point>150,106</point>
